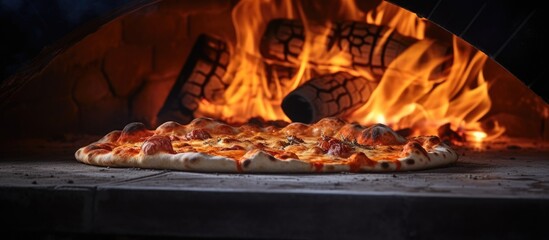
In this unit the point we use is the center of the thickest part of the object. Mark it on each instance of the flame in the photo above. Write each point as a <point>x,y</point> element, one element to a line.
<point>248,94</point>
<point>477,136</point>
<point>404,22</point>
<point>409,97</point>
<point>422,89</point>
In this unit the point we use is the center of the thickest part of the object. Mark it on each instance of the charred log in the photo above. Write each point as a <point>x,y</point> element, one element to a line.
<point>360,41</point>
<point>202,77</point>
<point>283,40</point>
<point>370,47</point>
<point>327,96</point>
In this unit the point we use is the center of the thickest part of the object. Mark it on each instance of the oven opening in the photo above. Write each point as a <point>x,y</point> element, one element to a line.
<point>371,62</point>
<point>277,62</point>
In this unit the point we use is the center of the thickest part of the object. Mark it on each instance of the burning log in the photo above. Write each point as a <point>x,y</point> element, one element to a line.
<point>283,40</point>
<point>326,96</point>
<point>202,77</point>
<point>370,47</point>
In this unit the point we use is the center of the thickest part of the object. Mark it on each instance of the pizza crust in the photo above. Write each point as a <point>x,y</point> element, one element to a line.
<point>194,147</point>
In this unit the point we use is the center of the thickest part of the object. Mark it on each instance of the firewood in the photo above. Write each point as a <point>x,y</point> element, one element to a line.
<point>283,40</point>
<point>328,95</point>
<point>202,77</point>
<point>360,41</point>
<point>369,47</point>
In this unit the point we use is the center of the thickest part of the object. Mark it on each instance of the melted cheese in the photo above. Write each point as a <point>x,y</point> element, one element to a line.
<point>327,146</point>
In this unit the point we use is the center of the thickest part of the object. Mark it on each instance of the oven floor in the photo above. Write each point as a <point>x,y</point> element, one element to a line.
<point>501,192</point>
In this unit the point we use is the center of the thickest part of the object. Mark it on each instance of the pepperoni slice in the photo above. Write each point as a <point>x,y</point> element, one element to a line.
<point>334,147</point>
<point>198,134</point>
<point>156,144</point>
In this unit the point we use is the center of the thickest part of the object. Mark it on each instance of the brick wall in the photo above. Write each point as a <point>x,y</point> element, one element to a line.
<point>120,73</point>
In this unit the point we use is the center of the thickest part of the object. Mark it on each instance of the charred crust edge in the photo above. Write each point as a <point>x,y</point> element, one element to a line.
<point>246,163</point>
<point>134,127</point>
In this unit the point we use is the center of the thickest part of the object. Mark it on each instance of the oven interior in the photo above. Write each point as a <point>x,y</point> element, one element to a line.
<point>421,67</point>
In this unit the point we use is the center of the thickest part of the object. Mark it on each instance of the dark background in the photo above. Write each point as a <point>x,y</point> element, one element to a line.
<point>27,26</point>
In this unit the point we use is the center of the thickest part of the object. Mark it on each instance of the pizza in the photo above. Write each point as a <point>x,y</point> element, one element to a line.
<point>208,145</point>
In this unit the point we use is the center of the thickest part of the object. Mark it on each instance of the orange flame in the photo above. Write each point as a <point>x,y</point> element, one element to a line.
<point>411,95</point>
<point>408,97</point>
<point>406,23</point>
<point>248,94</point>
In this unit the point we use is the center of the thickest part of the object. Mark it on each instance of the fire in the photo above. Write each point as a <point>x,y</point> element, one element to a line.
<point>248,94</point>
<point>478,136</point>
<point>411,98</point>
<point>422,89</point>
<point>404,22</point>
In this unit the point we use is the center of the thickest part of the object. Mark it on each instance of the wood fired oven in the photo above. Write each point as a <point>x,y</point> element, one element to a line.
<point>471,72</point>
